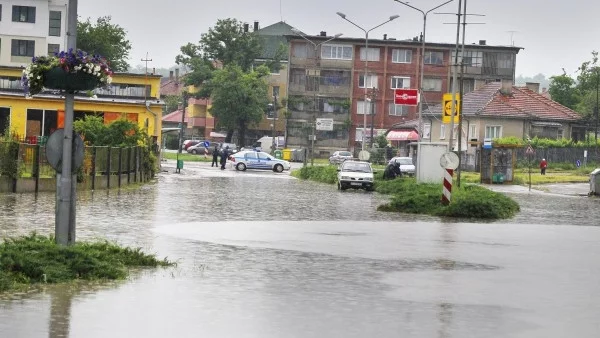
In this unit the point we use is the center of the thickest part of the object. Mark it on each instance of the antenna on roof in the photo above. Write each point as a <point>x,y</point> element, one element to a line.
<point>512,33</point>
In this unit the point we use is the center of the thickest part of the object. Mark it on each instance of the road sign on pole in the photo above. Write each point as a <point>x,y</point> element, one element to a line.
<point>529,150</point>
<point>447,108</point>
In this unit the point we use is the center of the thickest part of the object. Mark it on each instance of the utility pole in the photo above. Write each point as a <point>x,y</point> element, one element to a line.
<point>372,98</point>
<point>273,144</point>
<point>461,93</point>
<point>146,60</point>
<point>64,231</point>
<point>454,76</point>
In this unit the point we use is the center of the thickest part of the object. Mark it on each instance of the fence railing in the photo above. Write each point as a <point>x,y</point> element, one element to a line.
<point>28,161</point>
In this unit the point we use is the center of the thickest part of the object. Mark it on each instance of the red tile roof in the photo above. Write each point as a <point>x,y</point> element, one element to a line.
<point>521,103</point>
<point>171,87</point>
<point>175,117</point>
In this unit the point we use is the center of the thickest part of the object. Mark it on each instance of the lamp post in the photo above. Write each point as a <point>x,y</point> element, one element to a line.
<point>273,144</point>
<point>316,47</point>
<point>343,16</point>
<point>421,75</point>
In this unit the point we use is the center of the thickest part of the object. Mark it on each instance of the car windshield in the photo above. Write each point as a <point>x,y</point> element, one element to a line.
<point>345,153</point>
<point>357,167</point>
<point>404,161</point>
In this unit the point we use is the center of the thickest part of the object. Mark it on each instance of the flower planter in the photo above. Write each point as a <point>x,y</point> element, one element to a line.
<point>57,78</point>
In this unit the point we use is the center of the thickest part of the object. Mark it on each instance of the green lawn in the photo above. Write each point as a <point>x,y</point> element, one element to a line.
<point>187,157</point>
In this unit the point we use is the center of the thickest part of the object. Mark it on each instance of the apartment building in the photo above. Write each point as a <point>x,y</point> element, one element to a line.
<point>337,72</point>
<point>31,28</point>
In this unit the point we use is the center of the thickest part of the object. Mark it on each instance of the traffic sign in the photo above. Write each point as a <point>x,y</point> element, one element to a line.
<point>447,108</point>
<point>578,163</point>
<point>325,124</point>
<point>206,144</point>
<point>529,150</point>
<point>449,160</point>
<point>407,97</point>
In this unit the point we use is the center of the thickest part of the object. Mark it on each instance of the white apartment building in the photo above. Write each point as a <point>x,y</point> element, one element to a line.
<point>31,28</point>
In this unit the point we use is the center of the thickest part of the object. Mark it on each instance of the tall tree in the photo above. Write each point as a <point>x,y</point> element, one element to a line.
<point>239,98</point>
<point>106,39</point>
<point>563,90</point>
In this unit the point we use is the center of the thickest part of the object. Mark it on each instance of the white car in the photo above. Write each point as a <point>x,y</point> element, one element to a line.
<point>406,165</point>
<point>356,175</point>
<point>251,159</point>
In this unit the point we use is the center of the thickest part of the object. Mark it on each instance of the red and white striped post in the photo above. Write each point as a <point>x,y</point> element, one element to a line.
<point>447,187</point>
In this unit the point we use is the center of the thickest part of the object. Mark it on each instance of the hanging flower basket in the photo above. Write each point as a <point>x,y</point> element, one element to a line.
<point>67,71</point>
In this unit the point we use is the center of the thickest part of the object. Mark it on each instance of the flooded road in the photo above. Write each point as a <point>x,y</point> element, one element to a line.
<point>264,255</point>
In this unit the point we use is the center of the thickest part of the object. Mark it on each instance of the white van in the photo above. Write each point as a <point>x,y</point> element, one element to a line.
<point>266,142</point>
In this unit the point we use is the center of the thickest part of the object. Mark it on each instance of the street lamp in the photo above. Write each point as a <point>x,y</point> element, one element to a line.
<point>316,47</point>
<point>343,16</point>
<point>421,76</point>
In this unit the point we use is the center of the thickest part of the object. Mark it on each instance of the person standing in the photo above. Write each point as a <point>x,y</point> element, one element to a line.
<point>215,154</point>
<point>543,166</point>
<point>224,156</point>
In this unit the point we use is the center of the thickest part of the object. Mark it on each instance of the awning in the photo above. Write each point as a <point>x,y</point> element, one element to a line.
<point>217,135</point>
<point>402,135</point>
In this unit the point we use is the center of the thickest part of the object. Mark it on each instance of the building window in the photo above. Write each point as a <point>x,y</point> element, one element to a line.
<point>53,49</point>
<point>434,58</point>
<point>472,58</point>
<point>337,78</point>
<point>336,52</point>
<point>276,91</point>
<point>372,54</point>
<point>23,48</point>
<point>493,132</point>
<point>300,50</point>
<point>55,21</point>
<point>505,60</point>
<point>473,132</point>
<point>23,14</point>
<point>360,107</point>
<point>401,55</point>
<point>442,131</point>
<point>432,85</point>
<point>11,83</point>
<point>399,82</point>
<point>371,81</point>
<point>398,109</point>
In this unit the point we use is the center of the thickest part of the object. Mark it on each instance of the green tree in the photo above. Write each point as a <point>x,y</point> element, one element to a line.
<point>119,133</point>
<point>106,39</point>
<point>239,98</point>
<point>171,103</point>
<point>563,90</point>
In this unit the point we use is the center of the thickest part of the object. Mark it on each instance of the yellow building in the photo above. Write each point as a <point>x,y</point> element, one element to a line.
<point>132,96</point>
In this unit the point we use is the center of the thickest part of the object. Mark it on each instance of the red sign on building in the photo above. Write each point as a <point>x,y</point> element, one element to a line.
<point>407,97</point>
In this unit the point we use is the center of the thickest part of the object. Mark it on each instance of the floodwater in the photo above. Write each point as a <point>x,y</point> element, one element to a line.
<point>264,255</point>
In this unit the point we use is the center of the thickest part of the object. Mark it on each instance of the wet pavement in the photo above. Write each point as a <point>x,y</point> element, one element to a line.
<point>264,255</point>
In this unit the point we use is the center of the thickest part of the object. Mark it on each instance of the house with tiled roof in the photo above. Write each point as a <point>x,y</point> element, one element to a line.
<point>500,109</point>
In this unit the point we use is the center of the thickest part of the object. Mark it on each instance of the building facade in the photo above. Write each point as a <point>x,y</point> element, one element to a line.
<point>337,72</point>
<point>31,28</point>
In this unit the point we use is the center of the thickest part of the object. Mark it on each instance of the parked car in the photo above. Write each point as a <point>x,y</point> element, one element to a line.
<point>356,175</point>
<point>406,165</point>
<point>251,159</point>
<point>188,143</point>
<point>232,147</point>
<point>340,156</point>
<point>199,149</point>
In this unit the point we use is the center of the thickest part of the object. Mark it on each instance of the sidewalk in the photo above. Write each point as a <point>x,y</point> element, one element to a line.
<point>568,189</point>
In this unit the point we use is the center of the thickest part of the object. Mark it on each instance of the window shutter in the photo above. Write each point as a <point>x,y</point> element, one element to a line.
<point>14,49</point>
<point>31,14</point>
<point>15,16</point>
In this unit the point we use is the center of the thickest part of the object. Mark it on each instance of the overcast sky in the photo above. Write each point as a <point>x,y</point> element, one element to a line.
<point>554,34</point>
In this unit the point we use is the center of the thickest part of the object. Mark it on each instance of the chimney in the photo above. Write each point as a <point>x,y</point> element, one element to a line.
<point>385,36</point>
<point>482,42</point>
<point>506,88</point>
<point>323,33</point>
<point>544,89</point>
<point>255,26</point>
<point>153,70</point>
<point>171,75</point>
<point>177,75</point>
<point>246,27</point>
<point>533,86</point>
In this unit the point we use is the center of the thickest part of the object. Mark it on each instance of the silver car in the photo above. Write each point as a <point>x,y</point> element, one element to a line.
<point>340,156</point>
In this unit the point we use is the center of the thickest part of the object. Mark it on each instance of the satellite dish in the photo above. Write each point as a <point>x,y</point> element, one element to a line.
<point>54,151</point>
<point>364,155</point>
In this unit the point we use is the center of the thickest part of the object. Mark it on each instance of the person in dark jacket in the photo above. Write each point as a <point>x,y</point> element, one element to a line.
<point>392,171</point>
<point>224,157</point>
<point>215,160</point>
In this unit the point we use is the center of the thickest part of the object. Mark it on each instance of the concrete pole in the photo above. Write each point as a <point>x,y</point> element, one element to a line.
<point>461,90</point>
<point>454,76</point>
<point>364,138</point>
<point>65,216</point>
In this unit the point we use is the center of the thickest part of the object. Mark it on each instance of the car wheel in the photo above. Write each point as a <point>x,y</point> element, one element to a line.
<point>369,188</point>
<point>240,167</point>
<point>343,187</point>
<point>278,168</point>
<point>194,151</point>
<point>339,186</point>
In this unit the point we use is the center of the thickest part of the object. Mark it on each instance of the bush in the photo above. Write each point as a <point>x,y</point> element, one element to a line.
<point>36,259</point>
<point>323,174</point>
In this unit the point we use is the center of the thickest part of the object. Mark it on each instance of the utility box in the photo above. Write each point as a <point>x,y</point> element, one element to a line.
<point>595,182</point>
